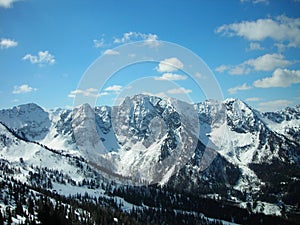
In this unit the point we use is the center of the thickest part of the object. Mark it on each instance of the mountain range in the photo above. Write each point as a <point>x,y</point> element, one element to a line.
<point>225,151</point>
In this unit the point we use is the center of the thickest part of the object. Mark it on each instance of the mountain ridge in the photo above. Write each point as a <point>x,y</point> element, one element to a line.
<point>212,148</point>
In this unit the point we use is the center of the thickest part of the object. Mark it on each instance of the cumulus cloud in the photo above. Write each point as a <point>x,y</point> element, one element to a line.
<point>171,76</point>
<point>280,29</point>
<point>149,39</point>
<point>7,43</point>
<point>22,89</point>
<point>180,90</point>
<point>111,52</point>
<point>43,58</point>
<point>115,88</point>
<point>243,87</point>
<point>275,105</point>
<point>89,92</point>
<point>279,78</point>
<point>267,62</point>
<point>7,3</point>
<point>169,65</point>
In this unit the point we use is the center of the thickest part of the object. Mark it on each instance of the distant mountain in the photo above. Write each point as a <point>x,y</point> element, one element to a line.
<point>285,122</point>
<point>219,150</point>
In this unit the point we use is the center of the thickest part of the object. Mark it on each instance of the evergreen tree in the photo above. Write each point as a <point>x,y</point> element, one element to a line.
<point>1,218</point>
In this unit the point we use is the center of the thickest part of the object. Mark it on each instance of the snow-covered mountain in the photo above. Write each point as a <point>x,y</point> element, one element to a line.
<point>246,138</point>
<point>213,148</point>
<point>244,135</point>
<point>285,122</point>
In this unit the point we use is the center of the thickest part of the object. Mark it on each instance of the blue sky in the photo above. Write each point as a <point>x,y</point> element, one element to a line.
<point>251,46</point>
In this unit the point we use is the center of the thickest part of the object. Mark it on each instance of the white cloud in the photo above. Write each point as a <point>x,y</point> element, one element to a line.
<point>281,47</point>
<point>275,105</point>
<point>253,99</point>
<point>149,39</point>
<point>254,46</point>
<point>256,1</point>
<point>268,62</point>
<point>42,58</point>
<point>99,43</point>
<point>111,52</point>
<point>282,29</point>
<point>169,65</point>
<point>265,62</point>
<point>24,88</point>
<point>7,43</point>
<point>115,88</point>
<point>199,75</point>
<point>125,38</point>
<point>171,76</point>
<point>243,87</point>
<point>7,3</point>
<point>158,94</point>
<point>222,68</point>
<point>239,70</point>
<point>279,78</point>
<point>180,90</point>
<point>89,92</point>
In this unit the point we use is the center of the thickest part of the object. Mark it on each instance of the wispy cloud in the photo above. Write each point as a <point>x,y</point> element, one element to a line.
<point>254,46</point>
<point>169,65</point>
<point>243,87</point>
<point>111,52</point>
<point>180,90</point>
<point>253,99</point>
<point>114,88</point>
<point>281,29</point>
<point>171,76</point>
<point>149,39</point>
<point>279,78</point>
<point>99,43</point>
<point>200,75</point>
<point>267,62</point>
<point>42,58</point>
<point>22,89</point>
<point>256,1</point>
<point>222,68</point>
<point>7,3</point>
<point>275,105</point>
<point>89,92</point>
<point>7,43</point>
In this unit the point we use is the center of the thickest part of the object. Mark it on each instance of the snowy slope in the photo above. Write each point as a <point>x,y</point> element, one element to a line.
<point>157,140</point>
<point>285,122</point>
<point>213,148</point>
<point>29,121</point>
<point>241,133</point>
<point>154,137</point>
<point>27,154</point>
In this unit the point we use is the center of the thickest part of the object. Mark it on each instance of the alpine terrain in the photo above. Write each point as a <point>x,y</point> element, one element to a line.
<point>150,160</point>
